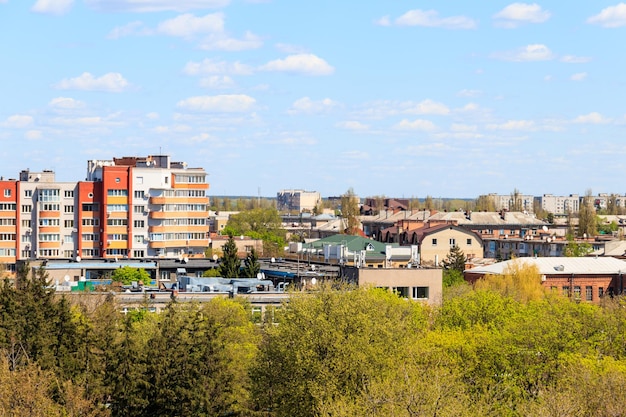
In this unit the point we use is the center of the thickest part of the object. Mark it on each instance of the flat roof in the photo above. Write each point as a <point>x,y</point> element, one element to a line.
<point>559,266</point>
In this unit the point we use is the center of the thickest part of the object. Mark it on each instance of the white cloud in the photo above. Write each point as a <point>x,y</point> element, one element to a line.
<point>133,28</point>
<point>352,125</point>
<point>580,76</point>
<point>56,7</point>
<point>427,107</point>
<point>90,121</point>
<point>187,25</point>
<point>458,127</point>
<point>469,93</point>
<point>18,121</point>
<point>217,81</point>
<point>611,17</point>
<point>33,134</point>
<point>112,82</point>
<point>571,59</point>
<point>513,125</point>
<point>155,5</point>
<point>417,124</point>
<point>307,64</point>
<point>360,155</point>
<point>305,105</point>
<point>66,103</point>
<point>518,13</point>
<point>223,42</point>
<point>430,18</point>
<point>529,53</point>
<point>594,118</point>
<point>172,129</point>
<point>209,66</point>
<point>383,21</point>
<point>152,116</point>
<point>290,49</point>
<point>219,104</point>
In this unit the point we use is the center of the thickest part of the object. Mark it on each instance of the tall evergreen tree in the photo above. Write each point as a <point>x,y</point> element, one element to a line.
<point>455,260</point>
<point>251,265</point>
<point>230,264</point>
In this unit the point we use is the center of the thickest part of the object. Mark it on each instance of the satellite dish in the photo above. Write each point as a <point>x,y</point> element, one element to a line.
<point>185,259</point>
<point>259,275</point>
<point>66,278</point>
<point>313,281</point>
<point>545,228</point>
<point>78,259</point>
<point>241,237</point>
<point>215,257</point>
<point>180,257</point>
<point>273,260</point>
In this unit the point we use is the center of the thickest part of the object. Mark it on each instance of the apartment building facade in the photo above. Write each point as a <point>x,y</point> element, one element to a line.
<point>131,207</point>
<point>297,200</point>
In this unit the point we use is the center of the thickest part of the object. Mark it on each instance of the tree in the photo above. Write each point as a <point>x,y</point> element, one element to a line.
<point>251,265</point>
<point>587,217</point>
<point>452,277</point>
<point>516,201</point>
<point>127,275</point>
<point>350,211</point>
<point>455,260</point>
<point>519,281</point>
<point>262,223</point>
<point>429,203</point>
<point>485,203</point>
<point>230,263</point>
<point>576,249</point>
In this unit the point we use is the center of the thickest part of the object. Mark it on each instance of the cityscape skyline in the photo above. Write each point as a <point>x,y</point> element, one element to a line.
<point>441,99</point>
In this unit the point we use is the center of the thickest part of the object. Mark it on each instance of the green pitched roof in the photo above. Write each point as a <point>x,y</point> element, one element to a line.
<point>353,243</point>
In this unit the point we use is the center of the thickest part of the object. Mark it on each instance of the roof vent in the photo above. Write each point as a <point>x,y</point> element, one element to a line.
<point>560,268</point>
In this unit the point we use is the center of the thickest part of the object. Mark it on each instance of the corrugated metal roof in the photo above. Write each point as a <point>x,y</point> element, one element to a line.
<point>560,266</point>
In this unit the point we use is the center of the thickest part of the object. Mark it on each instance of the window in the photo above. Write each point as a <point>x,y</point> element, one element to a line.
<point>138,254</point>
<point>25,254</point>
<point>139,194</point>
<point>50,207</point>
<point>49,222</point>
<point>138,238</point>
<point>28,193</point>
<point>25,223</point>
<point>577,292</point>
<point>7,192</point>
<point>166,180</point>
<point>589,293</point>
<point>117,207</point>
<point>469,242</point>
<point>452,241</point>
<point>117,193</point>
<point>139,180</point>
<point>434,241</point>
<point>68,239</point>
<point>117,236</point>
<point>48,253</point>
<point>600,292</point>
<point>91,207</point>
<point>68,209</point>
<point>68,223</point>
<point>401,291</point>
<point>139,209</point>
<point>139,223</point>
<point>91,222</point>
<point>49,237</point>
<point>90,237</point>
<point>7,252</point>
<point>420,292</point>
<point>68,193</point>
<point>49,195</point>
<point>566,290</point>
<point>90,252</point>
<point>7,237</point>
<point>26,239</point>
<point>117,222</point>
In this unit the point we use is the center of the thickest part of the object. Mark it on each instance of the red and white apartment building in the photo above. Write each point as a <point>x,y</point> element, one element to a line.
<point>130,207</point>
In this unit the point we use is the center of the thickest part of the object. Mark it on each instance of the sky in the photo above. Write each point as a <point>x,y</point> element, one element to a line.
<point>404,99</point>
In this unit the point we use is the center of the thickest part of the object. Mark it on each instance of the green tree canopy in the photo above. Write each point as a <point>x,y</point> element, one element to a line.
<point>455,260</point>
<point>127,275</point>
<point>251,265</point>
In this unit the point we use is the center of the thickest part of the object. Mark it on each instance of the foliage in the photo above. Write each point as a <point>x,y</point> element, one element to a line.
<point>213,272</point>
<point>455,259</point>
<point>127,275</point>
<point>251,265</point>
<point>605,228</point>
<point>261,223</point>
<point>452,277</point>
<point>329,346</point>
<point>576,249</point>
<point>519,281</point>
<point>485,203</point>
<point>350,212</point>
<point>587,217</point>
<point>230,263</point>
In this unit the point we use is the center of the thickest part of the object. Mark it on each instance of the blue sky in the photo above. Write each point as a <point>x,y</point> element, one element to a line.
<point>402,98</point>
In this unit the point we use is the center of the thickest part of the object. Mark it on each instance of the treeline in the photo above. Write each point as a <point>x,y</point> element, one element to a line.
<point>504,349</point>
